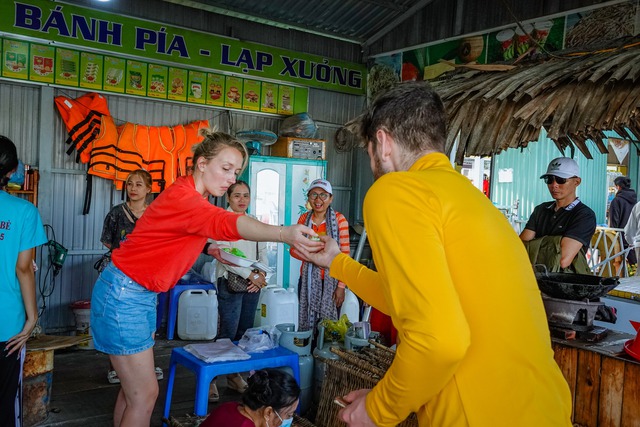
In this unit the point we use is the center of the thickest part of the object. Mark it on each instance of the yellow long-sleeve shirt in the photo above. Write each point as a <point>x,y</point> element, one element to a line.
<point>473,341</point>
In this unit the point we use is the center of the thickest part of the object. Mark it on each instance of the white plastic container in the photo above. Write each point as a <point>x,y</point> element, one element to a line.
<point>198,315</point>
<point>83,327</point>
<point>278,305</point>
<point>350,307</point>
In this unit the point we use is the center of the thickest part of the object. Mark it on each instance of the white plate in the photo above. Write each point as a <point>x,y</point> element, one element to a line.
<point>241,262</point>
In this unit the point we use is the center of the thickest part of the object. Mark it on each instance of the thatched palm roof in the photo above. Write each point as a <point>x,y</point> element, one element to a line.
<point>574,95</point>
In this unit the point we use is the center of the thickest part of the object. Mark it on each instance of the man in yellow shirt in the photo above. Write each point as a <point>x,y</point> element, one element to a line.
<point>473,341</point>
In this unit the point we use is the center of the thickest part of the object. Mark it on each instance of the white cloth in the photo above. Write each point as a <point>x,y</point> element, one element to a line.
<point>222,350</point>
<point>632,229</point>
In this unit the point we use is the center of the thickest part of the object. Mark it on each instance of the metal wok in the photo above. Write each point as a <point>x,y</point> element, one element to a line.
<point>576,287</point>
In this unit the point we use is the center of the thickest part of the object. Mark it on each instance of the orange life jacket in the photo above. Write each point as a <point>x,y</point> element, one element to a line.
<point>103,150</point>
<point>188,136</point>
<point>114,152</point>
<point>133,152</point>
<point>81,117</point>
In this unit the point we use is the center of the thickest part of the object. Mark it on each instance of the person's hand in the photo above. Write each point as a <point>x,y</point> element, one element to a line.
<point>325,256</point>
<point>16,342</point>
<point>298,236</point>
<point>338,296</point>
<point>214,251</point>
<point>355,414</point>
<point>257,281</point>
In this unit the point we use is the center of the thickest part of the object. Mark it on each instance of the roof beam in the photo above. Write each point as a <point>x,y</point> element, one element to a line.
<point>393,24</point>
<point>286,25</point>
<point>386,4</point>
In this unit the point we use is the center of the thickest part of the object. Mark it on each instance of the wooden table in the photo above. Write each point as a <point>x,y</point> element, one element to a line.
<point>628,288</point>
<point>604,381</point>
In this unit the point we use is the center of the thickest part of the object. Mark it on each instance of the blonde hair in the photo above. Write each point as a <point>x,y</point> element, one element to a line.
<point>144,175</point>
<point>214,142</point>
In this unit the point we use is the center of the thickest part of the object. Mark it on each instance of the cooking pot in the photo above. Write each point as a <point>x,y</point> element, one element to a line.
<point>576,287</point>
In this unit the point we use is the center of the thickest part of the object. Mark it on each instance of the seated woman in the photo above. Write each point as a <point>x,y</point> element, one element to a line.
<point>270,401</point>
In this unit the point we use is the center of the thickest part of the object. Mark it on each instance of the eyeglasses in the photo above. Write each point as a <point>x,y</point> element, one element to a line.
<point>323,196</point>
<point>550,179</point>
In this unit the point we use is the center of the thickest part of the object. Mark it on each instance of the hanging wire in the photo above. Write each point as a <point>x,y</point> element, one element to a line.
<point>46,285</point>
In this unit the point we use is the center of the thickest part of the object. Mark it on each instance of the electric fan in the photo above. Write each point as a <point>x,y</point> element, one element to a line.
<point>255,139</point>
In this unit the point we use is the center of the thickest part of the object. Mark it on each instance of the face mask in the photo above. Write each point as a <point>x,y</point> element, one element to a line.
<point>285,423</point>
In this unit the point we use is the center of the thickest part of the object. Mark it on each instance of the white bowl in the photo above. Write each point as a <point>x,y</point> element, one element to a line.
<point>236,260</point>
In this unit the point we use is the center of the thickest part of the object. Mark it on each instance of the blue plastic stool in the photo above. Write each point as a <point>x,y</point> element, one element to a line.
<point>161,308</point>
<point>174,296</point>
<point>206,372</point>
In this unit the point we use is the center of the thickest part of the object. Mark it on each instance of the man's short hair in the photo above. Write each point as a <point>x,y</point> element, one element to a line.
<point>623,182</point>
<point>411,112</point>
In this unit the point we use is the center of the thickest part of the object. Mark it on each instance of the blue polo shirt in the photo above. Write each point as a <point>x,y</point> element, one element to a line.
<point>20,230</point>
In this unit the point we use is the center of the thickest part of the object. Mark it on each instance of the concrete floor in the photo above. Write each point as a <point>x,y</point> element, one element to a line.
<point>82,396</point>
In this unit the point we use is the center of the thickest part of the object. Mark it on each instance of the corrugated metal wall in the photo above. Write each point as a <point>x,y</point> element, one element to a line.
<point>18,103</point>
<point>528,164</point>
<point>63,183</point>
<point>330,110</point>
<point>634,166</point>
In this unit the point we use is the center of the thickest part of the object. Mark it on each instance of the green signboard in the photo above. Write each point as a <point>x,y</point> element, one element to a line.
<point>124,35</point>
<point>87,70</point>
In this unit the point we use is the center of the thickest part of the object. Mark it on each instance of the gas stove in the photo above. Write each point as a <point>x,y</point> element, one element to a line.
<point>570,319</point>
<point>572,301</point>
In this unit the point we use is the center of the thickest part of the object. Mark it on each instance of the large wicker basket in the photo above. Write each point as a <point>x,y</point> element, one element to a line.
<point>353,371</point>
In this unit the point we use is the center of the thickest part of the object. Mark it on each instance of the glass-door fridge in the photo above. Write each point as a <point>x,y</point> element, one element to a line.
<point>278,197</point>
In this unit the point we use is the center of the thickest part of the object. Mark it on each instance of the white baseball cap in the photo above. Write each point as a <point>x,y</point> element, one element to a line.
<point>321,183</point>
<point>563,167</point>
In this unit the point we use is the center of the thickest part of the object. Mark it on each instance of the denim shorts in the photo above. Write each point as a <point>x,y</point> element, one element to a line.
<point>123,314</point>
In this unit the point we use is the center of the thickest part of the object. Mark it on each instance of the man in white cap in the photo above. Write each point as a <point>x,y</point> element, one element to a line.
<point>566,216</point>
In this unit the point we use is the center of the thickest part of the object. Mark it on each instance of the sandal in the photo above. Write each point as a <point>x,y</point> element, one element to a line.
<point>214,396</point>
<point>237,383</point>
<point>112,377</point>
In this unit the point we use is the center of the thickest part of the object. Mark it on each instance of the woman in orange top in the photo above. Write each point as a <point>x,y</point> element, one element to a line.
<point>320,295</point>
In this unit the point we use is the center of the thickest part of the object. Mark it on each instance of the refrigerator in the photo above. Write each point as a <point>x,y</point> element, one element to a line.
<point>279,189</point>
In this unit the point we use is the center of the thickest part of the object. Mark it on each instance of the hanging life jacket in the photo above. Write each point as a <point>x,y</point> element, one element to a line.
<point>187,136</point>
<point>81,117</point>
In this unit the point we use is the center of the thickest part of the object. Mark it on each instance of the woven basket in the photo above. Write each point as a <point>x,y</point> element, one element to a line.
<point>353,371</point>
<point>301,422</point>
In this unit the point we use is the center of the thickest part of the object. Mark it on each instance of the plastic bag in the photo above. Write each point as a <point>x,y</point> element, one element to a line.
<point>209,271</point>
<point>299,125</point>
<point>18,176</point>
<point>257,340</point>
<point>335,330</point>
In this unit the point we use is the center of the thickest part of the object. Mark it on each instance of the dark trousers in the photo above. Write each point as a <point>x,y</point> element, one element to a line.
<point>10,387</point>
<point>237,311</point>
